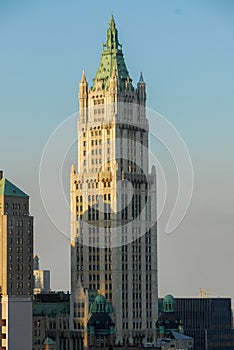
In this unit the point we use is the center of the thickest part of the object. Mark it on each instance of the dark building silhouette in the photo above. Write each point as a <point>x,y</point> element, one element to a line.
<point>208,321</point>
<point>101,328</point>
<point>170,328</point>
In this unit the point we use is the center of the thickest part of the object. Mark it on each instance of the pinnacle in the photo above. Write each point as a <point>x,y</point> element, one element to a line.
<point>112,21</point>
<point>141,80</point>
<point>83,78</point>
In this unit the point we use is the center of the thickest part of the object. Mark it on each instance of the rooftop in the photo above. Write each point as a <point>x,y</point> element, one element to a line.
<point>112,60</point>
<point>8,189</point>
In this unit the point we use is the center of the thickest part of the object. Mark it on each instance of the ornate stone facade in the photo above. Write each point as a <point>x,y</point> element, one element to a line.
<point>113,198</point>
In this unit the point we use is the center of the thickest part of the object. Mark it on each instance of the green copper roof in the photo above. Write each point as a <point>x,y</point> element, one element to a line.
<point>51,309</point>
<point>112,60</point>
<point>48,341</point>
<point>169,303</point>
<point>99,304</point>
<point>8,189</point>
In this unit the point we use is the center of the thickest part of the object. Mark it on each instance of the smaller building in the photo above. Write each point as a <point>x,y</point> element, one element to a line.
<point>41,278</point>
<point>51,319</point>
<point>208,321</point>
<point>16,270</point>
<point>101,328</point>
<point>170,328</point>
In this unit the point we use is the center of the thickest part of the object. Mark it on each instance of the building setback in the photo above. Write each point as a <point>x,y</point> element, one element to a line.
<point>113,200</point>
<point>16,267</point>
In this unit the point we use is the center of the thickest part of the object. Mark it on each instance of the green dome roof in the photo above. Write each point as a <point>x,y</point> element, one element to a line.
<point>100,299</point>
<point>168,298</point>
<point>169,303</point>
<point>99,304</point>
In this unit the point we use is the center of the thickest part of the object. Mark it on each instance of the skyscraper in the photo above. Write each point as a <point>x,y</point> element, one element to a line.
<point>16,266</point>
<point>113,199</point>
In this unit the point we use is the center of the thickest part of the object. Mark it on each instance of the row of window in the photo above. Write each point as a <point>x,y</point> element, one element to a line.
<point>19,258</point>
<point>62,324</point>
<point>129,133</point>
<point>79,305</point>
<point>97,151</point>
<point>99,101</point>
<point>78,314</point>
<point>19,249</point>
<point>19,223</point>
<point>78,325</point>
<point>94,267</point>
<point>20,267</point>
<point>93,152</point>
<point>19,276</point>
<point>20,285</point>
<point>136,266</point>
<point>94,198</point>
<point>19,232</point>
<point>20,241</point>
<point>16,206</point>
<point>137,325</point>
<point>94,286</point>
<point>92,185</point>
<point>20,292</point>
<point>99,111</point>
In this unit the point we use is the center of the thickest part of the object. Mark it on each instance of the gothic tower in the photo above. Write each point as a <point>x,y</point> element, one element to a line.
<point>113,198</point>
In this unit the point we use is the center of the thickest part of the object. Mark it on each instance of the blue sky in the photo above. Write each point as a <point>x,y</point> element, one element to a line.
<point>185,51</point>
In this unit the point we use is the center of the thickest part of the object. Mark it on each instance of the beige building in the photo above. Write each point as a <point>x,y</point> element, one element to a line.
<point>113,200</point>
<point>16,282</point>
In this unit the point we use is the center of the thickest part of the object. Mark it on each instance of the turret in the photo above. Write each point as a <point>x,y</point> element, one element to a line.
<point>83,95</point>
<point>73,170</point>
<point>141,91</point>
<point>112,42</point>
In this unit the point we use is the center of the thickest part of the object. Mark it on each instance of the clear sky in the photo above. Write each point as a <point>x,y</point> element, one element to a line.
<point>186,53</point>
